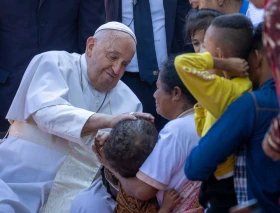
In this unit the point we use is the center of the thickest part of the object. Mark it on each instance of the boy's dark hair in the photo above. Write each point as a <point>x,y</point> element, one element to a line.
<point>129,144</point>
<point>199,20</point>
<point>257,43</point>
<point>170,79</point>
<point>236,33</point>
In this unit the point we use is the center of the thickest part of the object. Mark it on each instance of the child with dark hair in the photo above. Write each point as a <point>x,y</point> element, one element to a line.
<point>126,149</point>
<point>227,39</point>
<point>197,22</point>
<point>129,144</point>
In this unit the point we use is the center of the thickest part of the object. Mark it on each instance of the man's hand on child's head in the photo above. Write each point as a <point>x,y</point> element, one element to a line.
<point>171,198</point>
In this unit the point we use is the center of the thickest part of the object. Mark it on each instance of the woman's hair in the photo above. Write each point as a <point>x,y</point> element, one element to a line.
<point>129,145</point>
<point>199,20</point>
<point>170,79</point>
<point>257,42</point>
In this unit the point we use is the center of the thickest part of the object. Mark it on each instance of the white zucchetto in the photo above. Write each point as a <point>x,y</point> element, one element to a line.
<point>113,25</point>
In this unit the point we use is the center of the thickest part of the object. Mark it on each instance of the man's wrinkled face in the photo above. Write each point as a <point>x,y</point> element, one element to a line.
<point>107,59</point>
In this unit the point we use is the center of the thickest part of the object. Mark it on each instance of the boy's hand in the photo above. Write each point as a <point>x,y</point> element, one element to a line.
<point>98,145</point>
<point>170,199</point>
<point>237,67</point>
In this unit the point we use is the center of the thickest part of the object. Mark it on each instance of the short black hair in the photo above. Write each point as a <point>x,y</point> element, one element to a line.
<point>170,79</point>
<point>199,20</point>
<point>236,33</point>
<point>129,144</point>
<point>257,43</point>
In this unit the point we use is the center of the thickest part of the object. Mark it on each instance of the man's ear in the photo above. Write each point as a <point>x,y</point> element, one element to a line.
<point>220,3</point>
<point>90,43</point>
<point>258,58</point>
<point>176,94</point>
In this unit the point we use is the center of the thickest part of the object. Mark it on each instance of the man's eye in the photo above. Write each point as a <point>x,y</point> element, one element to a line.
<point>113,58</point>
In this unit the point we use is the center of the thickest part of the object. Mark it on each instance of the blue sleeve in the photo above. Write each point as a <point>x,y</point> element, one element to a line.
<point>91,16</point>
<point>223,139</point>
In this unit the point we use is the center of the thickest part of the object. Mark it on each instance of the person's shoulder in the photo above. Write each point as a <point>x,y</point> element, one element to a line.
<point>242,82</point>
<point>184,126</point>
<point>58,53</point>
<point>244,102</point>
<point>54,56</point>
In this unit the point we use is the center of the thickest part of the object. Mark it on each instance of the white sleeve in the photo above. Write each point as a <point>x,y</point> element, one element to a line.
<point>64,121</point>
<point>160,166</point>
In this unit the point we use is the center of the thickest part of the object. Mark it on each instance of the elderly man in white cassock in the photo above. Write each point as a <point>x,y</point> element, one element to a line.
<point>63,100</point>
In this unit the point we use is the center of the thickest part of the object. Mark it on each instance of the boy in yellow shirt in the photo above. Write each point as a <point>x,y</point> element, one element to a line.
<point>227,39</point>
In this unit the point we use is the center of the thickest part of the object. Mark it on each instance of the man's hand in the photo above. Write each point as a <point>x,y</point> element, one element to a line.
<point>101,121</point>
<point>132,116</point>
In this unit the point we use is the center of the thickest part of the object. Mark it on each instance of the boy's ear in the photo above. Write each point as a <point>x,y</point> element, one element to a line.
<point>219,53</point>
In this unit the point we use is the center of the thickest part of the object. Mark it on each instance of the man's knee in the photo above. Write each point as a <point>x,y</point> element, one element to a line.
<point>95,199</point>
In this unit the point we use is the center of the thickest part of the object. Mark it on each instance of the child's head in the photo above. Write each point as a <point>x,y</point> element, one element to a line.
<point>229,36</point>
<point>129,144</point>
<point>197,23</point>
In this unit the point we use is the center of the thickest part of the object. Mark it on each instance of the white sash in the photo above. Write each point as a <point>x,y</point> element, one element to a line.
<point>75,174</point>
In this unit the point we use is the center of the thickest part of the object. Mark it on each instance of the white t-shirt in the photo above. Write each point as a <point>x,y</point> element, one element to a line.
<point>256,15</point>
<point>164,168</point>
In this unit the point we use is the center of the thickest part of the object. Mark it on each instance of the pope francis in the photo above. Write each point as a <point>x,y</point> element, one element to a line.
<point>62,101</point>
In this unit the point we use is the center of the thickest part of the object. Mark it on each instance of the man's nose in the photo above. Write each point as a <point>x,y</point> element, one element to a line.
<point>117,68</point>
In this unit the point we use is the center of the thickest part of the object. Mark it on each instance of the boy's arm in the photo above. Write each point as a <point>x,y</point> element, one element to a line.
<point>214,93</point>
<point>232,67</point>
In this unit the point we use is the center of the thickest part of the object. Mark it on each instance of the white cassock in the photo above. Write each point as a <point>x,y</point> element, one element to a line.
<point>45,161</point>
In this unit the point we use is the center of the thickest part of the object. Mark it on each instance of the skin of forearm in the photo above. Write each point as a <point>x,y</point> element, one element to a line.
<point>220,63</point>
<point>95,122</point>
